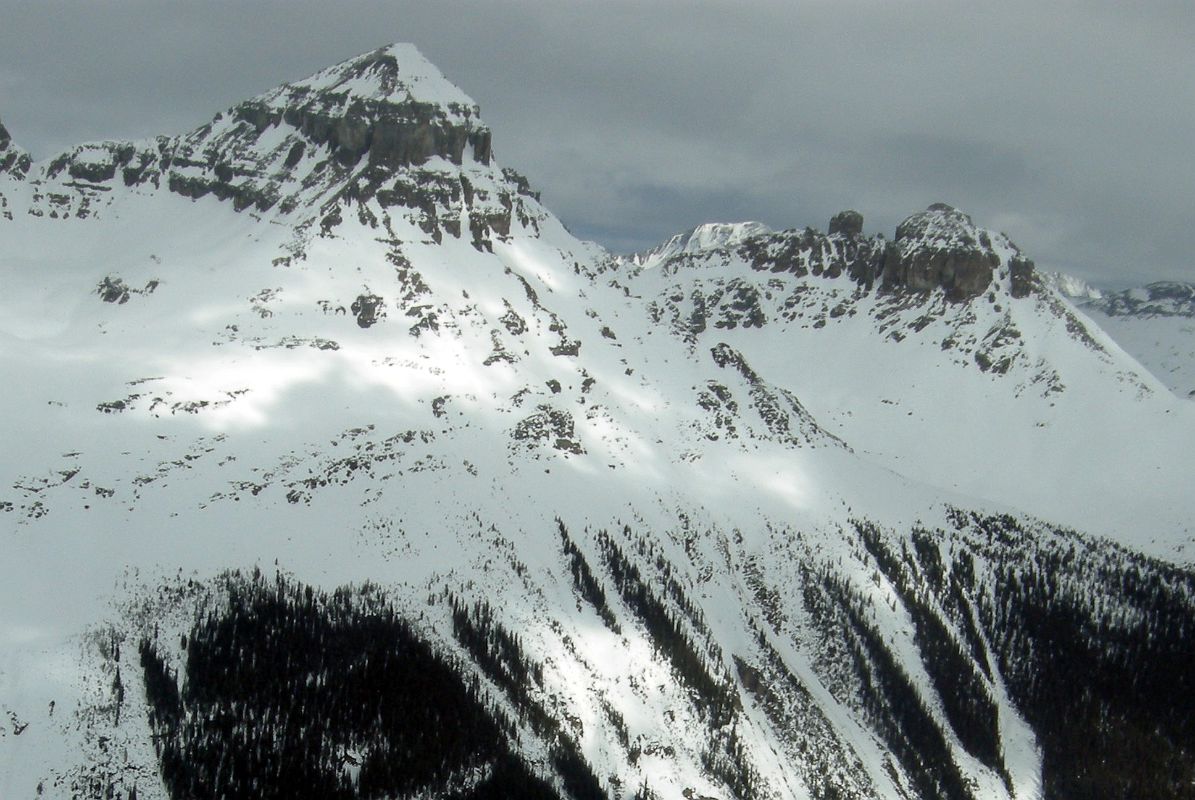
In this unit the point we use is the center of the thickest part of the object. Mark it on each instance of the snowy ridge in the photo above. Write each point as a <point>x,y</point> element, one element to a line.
<point>830,316</point>
<point>1071,287</point>
<point>785,515</point>
<point>711,236</point>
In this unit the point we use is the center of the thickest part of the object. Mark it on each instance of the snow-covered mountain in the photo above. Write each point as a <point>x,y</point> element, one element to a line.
<point>1072,287</point>
<point>335,466</point>
<point>1155,324</point>
<point>710,236</point>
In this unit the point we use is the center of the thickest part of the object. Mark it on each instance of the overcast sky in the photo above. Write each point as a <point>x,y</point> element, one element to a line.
<point>1067,126</point>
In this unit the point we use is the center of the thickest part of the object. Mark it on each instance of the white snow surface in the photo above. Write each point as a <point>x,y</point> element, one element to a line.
<point>1165,345</point>
<point>1071,286</point>
<point>1155,324</point>
<point>710,236</point>
<point>231,413</point>
<point>418,80</point>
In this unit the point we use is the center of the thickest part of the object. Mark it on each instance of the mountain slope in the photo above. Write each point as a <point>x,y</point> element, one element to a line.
<point>355,467</point>
<point>1153,323</point>
<point>991,395</point>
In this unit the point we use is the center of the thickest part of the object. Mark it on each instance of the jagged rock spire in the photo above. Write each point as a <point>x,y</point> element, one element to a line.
<point>846,223</point>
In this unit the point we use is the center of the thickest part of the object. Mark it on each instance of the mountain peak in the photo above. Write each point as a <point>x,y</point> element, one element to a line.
<point>350,130</point>
<point>397,73</point>
<point>942,247</point>
<point>12,158</point>
<point>390,103</point>
<point>704,237</point>
<point>939,222</point>
<point>938,248</point>
<point>745,524</point>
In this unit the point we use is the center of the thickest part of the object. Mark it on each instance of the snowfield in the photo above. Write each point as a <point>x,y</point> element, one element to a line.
<point>696,523</point>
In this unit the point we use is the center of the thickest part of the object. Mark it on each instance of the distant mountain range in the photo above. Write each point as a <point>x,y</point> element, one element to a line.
<point>335,466</point>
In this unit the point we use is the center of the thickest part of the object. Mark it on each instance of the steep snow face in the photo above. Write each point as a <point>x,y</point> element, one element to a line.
<point>395,74</point>
<point>412,413</point>
<point>680,531</point>
<point>1154,323</point>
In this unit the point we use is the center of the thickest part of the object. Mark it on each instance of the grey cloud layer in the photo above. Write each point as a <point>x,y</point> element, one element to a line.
<point>1066,125</point>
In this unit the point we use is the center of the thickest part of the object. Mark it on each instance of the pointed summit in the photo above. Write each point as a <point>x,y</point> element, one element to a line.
<point>390,104</point>
<point>364,126</point>
<point>397,73</point>
<point>13,160</point>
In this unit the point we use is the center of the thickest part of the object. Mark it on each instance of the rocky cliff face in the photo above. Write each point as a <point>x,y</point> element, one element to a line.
<point>351,126</point>
<point>940,248</point>
<point>847,223</point>
<point>13,160</point>
<point>14,163</point>
<point>384,125</point>
<point>942,279</point>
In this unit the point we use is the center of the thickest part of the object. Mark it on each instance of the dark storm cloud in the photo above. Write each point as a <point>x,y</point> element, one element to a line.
<point>1068,126</point>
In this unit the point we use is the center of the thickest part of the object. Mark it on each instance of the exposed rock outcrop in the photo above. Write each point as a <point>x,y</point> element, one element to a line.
<point>1021,276</point>
<point>846,223</point>
<point>355,124</point>
<point>385,126</point>
<point>936,249</point>
<point>13,160</point>
<point>941,248</point>
<point>368,308</point>
<point>811,252</point>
